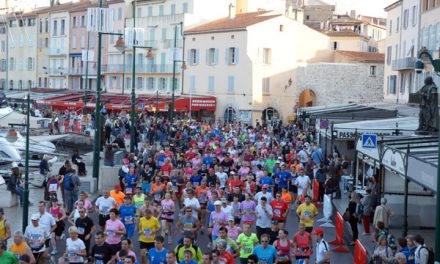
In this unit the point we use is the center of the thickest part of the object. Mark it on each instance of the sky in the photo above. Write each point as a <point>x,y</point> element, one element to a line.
<point>363,7</point>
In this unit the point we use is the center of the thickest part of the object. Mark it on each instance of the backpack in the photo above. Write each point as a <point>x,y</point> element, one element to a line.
<point>430,254</point>
<point>121,173</point>
<point>68,182</point>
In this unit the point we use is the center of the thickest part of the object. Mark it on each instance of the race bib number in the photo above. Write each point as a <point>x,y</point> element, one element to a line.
<point>247,250</point>
<point>128,220</point>
<point>110,232</point>
<point>81,230</point>
<point>148,232</point>
<point>53,187</point>
<point>277,212</point>
<point>128,190</point>
<point>283,258</point>
<point>187,226</point>
<point>99,261</point>
<point>105,210</point>
<point>72,257</point>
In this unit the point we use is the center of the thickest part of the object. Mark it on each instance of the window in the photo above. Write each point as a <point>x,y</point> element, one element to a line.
<point>83,21</point>
<point>267,54</point>
<point>3,47</point>
<point>40,25</point>
<point>232,56</point>
<point>139,83</point>
<point>389,50</point>
<point>307,17</point>
<point>92,42</point>
<point>2,65</point>
<point>164,34</point>
<point>396,53</point>
<point>74,42</point>
<point>150,84</point>
<point>231,84</point>
<point>11,43</point>
<point>392,84</point>
<point>120,13</point>
<point>74,22</point>
<point>397,24</point>
<point>402,84</point>
<point>150,11</point>
<point>139,12</point>
<point>266,86</point>
<point>161,10</point>
<point>30,41</point>
<point>391,27</point>
<point>372,70</point>
<point>55,27</point>
<point>31,22</point>
<point>46,26</point>
<point>173,9</point>
<point>193,56</point>
<point>281,28</point>
<point>127,82</point>
<point>162,84</point>
<point>83,42</point>
<point>335,45</point>
<point>212,56</point>
<point>405,18</point>
<point>185,7</point>
<point>46,42</point>
<point>211,87</point>
<point>414,15</point>
<point>192,84</point>
<point>21,41</point>
<point>63,23</point>
<point>30,64</point>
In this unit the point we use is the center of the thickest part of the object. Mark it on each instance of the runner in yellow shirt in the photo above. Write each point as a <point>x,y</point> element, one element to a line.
<point>148,226</point>
<point>306,213</point>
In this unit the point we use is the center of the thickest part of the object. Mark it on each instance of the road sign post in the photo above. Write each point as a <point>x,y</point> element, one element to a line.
<point>369,141</point>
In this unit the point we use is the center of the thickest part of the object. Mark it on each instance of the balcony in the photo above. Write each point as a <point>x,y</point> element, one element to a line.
<point>404,64</point>
<point>58,52</point>
<point>82,71</point>
<point>57,71</point>
<point>140,68</point>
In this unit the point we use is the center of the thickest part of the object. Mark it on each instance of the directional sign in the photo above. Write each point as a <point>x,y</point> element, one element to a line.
<point>369,141</point>
<point>141,106</point>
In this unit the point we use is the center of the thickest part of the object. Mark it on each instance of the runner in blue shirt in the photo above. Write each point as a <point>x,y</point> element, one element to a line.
<point>265,252</point>
<point>127,212</point>
<point>158,254</point>
<point>130,181</point>
<point>196,179</point>
<point>267,180</point>
<point>284,177</point>
<point>188,258</point>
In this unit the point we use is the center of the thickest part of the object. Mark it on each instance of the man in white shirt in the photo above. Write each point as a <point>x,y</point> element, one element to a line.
<point>322,248</point>
<point>263,193</point>
<point>421,254</point>
<point>103,205</point>
<point>35,236</point>
<point>192,202</point>
<point>48,223</point>
<point>222,177</point>
<point>264,216</point>
<point>303,182</point>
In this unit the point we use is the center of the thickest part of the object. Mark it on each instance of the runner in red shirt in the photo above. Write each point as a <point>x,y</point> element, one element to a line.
<point>280,210</point>
<point>224,256</point>
<point>235,181</point>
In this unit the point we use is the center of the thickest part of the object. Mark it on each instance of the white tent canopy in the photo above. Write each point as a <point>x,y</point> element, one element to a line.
<point>8,116</point>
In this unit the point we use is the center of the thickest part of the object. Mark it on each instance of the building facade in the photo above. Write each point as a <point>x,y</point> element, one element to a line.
<point>401,46</point>
<point>248,63</point>
<point>22,50</point>
<point>59,48</point>
<point>43,36</point>
<point>3,54</point>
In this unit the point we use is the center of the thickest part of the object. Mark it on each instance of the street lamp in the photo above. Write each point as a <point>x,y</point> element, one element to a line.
<point>419,66</point>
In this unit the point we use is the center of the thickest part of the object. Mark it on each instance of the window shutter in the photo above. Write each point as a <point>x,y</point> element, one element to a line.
<point>227,56</point>
<point>197,56</point>
<point>236,56</point>
<point>215,56</point>
<point>190,59</point>
<point>207,57</point>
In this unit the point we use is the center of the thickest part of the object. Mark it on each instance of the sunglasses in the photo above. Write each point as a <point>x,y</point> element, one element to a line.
<point>189,211</point>
<point>264,241</point>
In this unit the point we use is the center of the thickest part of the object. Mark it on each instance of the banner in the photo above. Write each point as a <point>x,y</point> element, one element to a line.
<point>327,211</point>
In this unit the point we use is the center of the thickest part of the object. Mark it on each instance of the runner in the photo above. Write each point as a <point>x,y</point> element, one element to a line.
<point>20,248</point>
<point>167,217</point>
<point>280,210</point>
<point>127,212</point>
<point>246,241</point>
<point>35,236</point>
<point>85,227</point>
<point>265,252</point>
<point>306,213</point>
<point>114,230</point>
<point>103,205</point>
<point>101,252</point>
<point>148,226</point>
<point>188,225</point>
<point>302,244</point>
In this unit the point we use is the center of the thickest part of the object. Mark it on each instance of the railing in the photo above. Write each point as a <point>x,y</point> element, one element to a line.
<point>82,71</point>
<point>54,52</point>
<point>404,64</point>
<point>414,98</point>
<point>140,68</point>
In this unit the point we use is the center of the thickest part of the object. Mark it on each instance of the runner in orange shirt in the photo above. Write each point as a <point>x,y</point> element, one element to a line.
<point>117,194</point>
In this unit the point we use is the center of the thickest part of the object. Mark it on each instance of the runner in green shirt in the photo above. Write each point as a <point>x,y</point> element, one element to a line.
<point>6,257</point>
<point>246,241</point>
<point>270,162</point>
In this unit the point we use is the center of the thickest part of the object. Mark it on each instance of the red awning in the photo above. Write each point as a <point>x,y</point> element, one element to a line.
<point>197,104</point>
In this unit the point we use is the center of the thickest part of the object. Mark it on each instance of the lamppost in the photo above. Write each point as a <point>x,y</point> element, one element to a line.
<point>419,68</point>
<point>97,143</point>
<point>183,67</point>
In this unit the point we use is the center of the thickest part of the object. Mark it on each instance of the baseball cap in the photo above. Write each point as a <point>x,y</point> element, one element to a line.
<point>14,165</point>
<point>265,186</point>
<point>118,187</point>
<point>274,222</point>
<point>318,231</point>
<point>35,217</point>
<point>217,202</point>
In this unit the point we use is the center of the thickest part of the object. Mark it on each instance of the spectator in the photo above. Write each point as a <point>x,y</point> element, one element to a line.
<point>382,214</point>
<point>366,211</point>
<point>422,252</point>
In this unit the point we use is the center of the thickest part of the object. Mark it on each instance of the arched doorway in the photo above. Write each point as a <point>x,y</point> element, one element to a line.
<point>307,98</point>
<point>270,116</point>
<point>230,115</point>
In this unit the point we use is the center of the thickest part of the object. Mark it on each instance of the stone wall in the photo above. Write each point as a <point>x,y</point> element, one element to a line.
<point>338,83</point>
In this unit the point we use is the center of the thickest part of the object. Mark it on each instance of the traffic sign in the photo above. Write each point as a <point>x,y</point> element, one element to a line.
<point>369,141</point>
<point>141,106</point>
<point>324,124</point>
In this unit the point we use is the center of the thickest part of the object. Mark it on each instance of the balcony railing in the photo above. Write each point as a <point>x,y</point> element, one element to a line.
<point>140,68</point>
<point>55,52</point>
<point>82,71</point>
<point>404,64</point>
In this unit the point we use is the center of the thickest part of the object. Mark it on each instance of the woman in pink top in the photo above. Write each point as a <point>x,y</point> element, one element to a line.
<point>197,162</point>
<point>167,216</point>
<point>114,229</point>
<point>83,196</point>
<point>233,230</point>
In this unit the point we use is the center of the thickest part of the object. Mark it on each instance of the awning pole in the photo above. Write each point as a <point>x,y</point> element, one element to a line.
<point>405,203</point>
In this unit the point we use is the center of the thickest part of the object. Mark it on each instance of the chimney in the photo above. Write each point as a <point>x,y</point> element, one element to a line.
<point>353,14</point>
<point>231,11</point>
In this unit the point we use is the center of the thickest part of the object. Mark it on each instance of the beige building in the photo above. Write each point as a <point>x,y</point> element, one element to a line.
<point>3,54</point>
<point>22,50</point>
<point>59,48</point>
<point>317,13</point>
<point>43,36</point>
<point>248,62</point>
